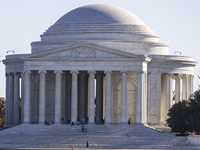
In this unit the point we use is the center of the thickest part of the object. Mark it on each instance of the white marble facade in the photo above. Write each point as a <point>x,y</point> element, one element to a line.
<point>99,63</point>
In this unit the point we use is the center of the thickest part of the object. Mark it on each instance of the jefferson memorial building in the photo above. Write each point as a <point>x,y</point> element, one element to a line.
<point>98,64</point>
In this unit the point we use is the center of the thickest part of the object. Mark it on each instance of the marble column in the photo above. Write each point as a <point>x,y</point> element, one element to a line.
<point>99,97</point>
<point>16,98</point>
<point>7,100</point>
<point>169,94</point>
<point>74,102</point>
<point>185,87</point>
<point>42,96</point>
<point>191,84</point>
<point>91,96</point>
<point>178,89</point>
<point>22,97</point>
<point>154,98</point>
<point>108,103</point>
<point>58,96</point>
<point>151,112</point>
<point>140,98</point>
<point>11,99</point>
<point>145,95</point>
<point>27,97</point>
<point>124,97</point>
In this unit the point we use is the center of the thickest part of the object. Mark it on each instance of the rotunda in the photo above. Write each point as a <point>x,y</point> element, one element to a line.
<point>98,64</point>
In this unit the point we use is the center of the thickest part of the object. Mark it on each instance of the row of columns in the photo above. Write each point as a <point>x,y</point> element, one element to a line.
<point>74,102</point>
<point>12,99</point>
<point>183,89</point>
<point>13,90</point>
<point>13,95</point>
<point>108,103</point>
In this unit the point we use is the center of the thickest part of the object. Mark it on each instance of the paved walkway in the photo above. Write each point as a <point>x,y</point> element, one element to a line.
<point>105,136</point>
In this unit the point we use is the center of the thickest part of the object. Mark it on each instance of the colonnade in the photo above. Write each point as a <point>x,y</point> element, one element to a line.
<point>83,89</point>
<point>181,84</point>
<point>13,94</point>
<point>13,113</point>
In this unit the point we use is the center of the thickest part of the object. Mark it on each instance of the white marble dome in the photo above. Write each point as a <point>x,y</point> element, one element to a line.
<point>103,25</point>
<point>99,14</point>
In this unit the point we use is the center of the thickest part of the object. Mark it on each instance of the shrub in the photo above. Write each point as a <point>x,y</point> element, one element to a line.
<point>2,111</point>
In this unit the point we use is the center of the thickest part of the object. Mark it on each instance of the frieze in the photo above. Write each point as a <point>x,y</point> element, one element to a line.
<point>83,53</point>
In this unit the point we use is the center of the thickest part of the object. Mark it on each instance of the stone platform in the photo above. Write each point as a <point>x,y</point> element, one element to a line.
<point>105,136</point>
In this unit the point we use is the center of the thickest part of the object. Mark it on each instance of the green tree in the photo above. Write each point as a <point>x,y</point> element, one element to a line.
<point>195,113</point>
<point>2,111</point>
<point>179,117</point>
<point>197,95</point>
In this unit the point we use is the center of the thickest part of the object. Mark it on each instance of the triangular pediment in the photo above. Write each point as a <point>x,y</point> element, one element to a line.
<point>82,51</point>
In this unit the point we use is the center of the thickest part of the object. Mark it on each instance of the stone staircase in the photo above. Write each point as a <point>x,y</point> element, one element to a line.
<point>105,136</point>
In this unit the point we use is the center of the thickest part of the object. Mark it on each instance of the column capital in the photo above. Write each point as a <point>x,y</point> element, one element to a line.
<point>91,71</point>
<point>16,73</point>
<point>10,73</point>
<point>164,74</point>
<point>42,71</point>
<point>179,75</point>
<point>141,72</point>
<point>186,75</point>
<point>170,74</point>
<point>192,76</point>
<point>74,71</point>
<point>27,71</point>
<point>124,71</point>
<point>6,74</point>
<point>159,73</point>
<point>58,71</point>
<point>107,71</point>
<point>99,73</point>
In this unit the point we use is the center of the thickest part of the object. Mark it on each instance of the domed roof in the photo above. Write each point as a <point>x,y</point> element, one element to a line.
<point>103,25</point>
<point>99,14</point>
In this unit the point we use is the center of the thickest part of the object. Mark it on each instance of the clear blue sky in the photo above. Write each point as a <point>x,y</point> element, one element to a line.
<point>177,22</point>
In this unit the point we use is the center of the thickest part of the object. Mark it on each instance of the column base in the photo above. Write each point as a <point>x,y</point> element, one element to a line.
<point>123,123</point>
<point>57,123</point>
<point>99,123</point>
<point>108,123</point>
<point>91,123</point>
<point>141,124</point>
<point>41,122</point>
<point>26,122</point>
<point>16,123</point>
<point>91,119</point>
<point>8,125</point>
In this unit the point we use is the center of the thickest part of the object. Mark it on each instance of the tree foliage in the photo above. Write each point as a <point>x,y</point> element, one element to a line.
<point>197,95</point>
<point>2,111</point>
<point>179,117</point>
<point>195,113</point>
<point>184,116</point>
